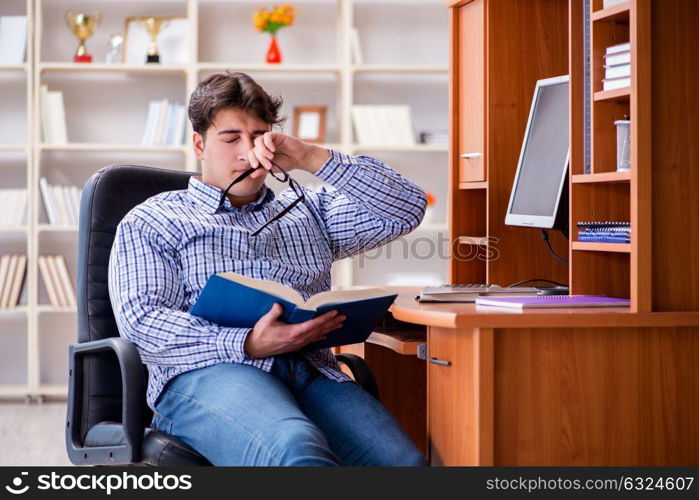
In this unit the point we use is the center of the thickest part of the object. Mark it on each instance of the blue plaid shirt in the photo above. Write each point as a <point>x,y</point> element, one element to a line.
<point>166,248</point>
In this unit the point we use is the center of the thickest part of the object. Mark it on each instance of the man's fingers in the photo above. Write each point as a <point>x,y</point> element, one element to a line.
<point>326,327</point>
<point>275,311</point>
<point>315,322</point>
<point>252,159</point>
<point>268,139</point>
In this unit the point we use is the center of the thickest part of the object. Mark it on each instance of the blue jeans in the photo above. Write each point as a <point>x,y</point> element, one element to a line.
<point>237,414</point>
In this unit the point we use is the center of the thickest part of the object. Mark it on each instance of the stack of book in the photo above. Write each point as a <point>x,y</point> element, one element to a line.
<point>13,269</point>
<point>54,272</point>
<point>62,203</point>
<point>53,116</point>
<point>617,67</point>
<point>165,124</point>
<point>13,39</point>
<point>389,125</point>
<point>13,207</point>
<point>611,3</point>
<point>605,231</point>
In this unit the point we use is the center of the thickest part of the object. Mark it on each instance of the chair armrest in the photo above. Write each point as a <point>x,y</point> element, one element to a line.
<point>361,371</point>
<point>133,402</point>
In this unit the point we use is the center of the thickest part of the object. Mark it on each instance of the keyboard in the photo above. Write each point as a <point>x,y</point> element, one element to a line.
<point>469,292</point>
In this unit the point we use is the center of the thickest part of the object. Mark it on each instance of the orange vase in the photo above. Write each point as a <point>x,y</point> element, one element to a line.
<point>274,56</point>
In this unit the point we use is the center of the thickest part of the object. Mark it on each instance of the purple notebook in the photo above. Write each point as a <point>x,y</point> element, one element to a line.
<point>544,301</point>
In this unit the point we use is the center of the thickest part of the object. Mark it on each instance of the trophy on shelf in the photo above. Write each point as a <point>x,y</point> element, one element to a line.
<point>154,25</point>
<point>115,46</point>
<point>82,26</point>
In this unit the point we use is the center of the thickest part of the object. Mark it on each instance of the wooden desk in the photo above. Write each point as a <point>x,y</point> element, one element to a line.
<point>558,386</point>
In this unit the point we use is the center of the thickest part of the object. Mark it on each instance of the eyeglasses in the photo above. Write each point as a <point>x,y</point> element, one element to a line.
<point>285,177</point>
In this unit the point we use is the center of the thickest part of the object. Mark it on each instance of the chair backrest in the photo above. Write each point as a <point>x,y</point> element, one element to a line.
<point>107,196</point>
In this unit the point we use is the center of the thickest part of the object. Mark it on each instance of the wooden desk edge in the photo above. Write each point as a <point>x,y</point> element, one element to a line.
<point>405,308</point>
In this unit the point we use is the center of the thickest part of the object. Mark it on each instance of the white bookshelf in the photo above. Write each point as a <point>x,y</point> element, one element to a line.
<point>397,68</point>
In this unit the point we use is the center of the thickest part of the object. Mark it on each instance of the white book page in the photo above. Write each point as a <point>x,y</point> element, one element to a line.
<point>272,287</point>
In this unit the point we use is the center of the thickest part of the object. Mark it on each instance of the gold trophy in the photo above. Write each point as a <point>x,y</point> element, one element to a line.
<point>82,26</point>
<point>154,25</point>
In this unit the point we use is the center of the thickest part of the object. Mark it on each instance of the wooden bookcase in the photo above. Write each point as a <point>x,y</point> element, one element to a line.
<point>106,106</point>
<point>657,269</point>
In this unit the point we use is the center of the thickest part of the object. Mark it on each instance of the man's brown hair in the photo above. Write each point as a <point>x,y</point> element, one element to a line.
<point>231,90</point>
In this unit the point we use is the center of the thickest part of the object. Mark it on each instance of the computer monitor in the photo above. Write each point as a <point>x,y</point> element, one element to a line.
<point>539,192</point>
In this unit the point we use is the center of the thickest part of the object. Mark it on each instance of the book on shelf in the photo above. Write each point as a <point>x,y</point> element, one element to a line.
<point>604,231</point>
<point>385,125</point>
<point>13,207</point>
<point>617,66</point>
<point>616,83</point>
<point>617,59</point>
<point>611,3</point>
<point>62,203</point>
<point>355,46</point>
<point>618,48</point>
<point>54,273</point>
<point>13,39</point>
<point>620,71</point>
<point>53,116</point>
<point>165,124</point>
<point>13,269</point>
<point>547,301</point>
<point>252,298</point>
<point>64,278</point>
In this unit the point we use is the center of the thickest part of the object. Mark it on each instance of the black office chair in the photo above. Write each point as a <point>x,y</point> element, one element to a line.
<point>108,418</point>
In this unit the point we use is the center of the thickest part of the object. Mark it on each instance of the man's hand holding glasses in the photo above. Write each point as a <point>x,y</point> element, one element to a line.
<point>272,147</point>
<point>287,152</point>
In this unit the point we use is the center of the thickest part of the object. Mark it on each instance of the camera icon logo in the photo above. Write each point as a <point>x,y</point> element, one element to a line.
<point>16,488</point>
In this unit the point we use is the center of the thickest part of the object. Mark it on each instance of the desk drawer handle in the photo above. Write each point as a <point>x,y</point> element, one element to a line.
<point>470,156</point>
<point>439,362</point>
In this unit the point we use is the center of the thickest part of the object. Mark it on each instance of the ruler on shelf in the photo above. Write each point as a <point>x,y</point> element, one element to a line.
<point>587,89</point>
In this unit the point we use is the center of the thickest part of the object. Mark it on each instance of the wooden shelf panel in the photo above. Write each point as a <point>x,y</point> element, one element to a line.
<point>403,343</point>
<point>417,148</point>
<point>602,177</point>
<point>401,68</point>
<point>8,311</point>
<point>14,390</point>
<point>433,226</point>
<point>45,308</point>
<point>616,13</point>
<point>14,67</point>
<point>473,240</point>
<point>13,147</point>
<point>613,95</point>
<point>86,146</point>
<point>473,185</point>
<point>53,390</point>
<point>69,67</point>
<point>50,228</point>
<point>601,247</point>
<point>269,68</point>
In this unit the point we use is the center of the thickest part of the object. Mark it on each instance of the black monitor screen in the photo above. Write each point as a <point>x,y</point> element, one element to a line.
<point>543,161</point>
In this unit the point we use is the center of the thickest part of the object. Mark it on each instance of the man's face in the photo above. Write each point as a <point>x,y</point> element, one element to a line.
<point>224,154</point>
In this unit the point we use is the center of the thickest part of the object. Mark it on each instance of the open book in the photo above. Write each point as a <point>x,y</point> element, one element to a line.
<point>233,300</point>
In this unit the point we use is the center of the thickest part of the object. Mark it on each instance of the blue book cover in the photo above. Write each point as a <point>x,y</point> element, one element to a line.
<point>237,301</point>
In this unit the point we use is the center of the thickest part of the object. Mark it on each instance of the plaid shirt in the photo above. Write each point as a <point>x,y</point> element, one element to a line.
<point>166,248</point>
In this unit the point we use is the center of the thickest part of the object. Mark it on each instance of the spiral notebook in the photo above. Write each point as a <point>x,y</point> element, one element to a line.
<point>545,301</point>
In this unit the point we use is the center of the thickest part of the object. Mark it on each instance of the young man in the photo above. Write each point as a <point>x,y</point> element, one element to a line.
<point>245,396</point>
